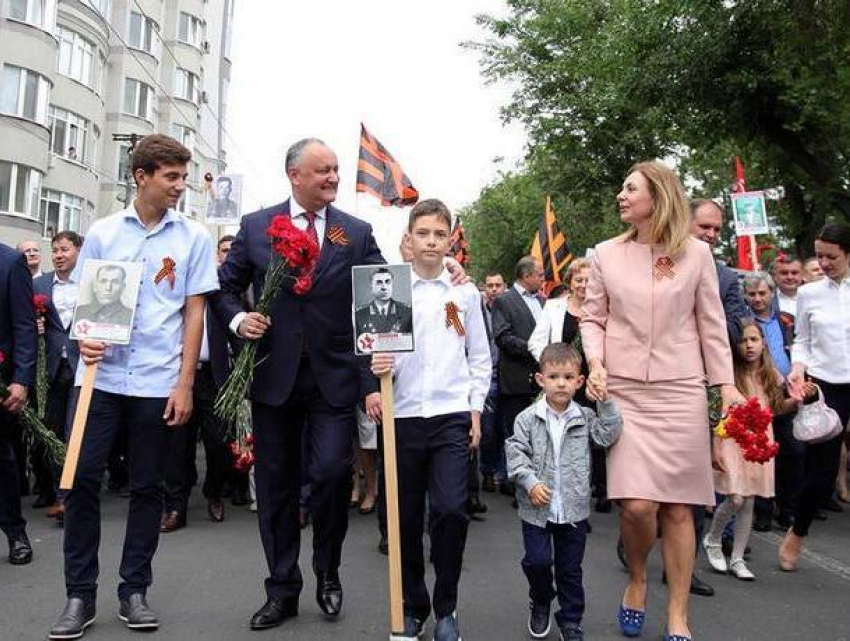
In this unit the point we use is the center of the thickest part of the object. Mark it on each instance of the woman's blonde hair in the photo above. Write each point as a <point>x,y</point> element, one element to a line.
<point>574,268</point>
<point>670,218</point>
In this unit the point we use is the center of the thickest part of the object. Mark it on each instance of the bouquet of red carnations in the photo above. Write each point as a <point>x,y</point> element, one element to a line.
<point>293,259</point>
<point>39,303</point>
<point>747,424</point>
<point>242,447</point>
<point>35,429</point>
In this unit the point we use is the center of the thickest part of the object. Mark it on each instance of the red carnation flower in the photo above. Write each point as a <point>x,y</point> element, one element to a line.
<point>39,302</point>
<point>302,285</point>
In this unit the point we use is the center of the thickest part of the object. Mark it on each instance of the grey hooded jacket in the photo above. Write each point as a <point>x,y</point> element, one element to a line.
<point>530,458</point>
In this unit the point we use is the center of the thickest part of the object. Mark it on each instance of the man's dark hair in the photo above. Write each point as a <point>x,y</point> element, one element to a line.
<point>380,270</point>
<point>492,274</point>
<point>557,353</point>
<point>525,266</point>
<point>71,236</point>
<point>229,238</point>
<point>836,234</point>
<point>430,207</point>
<point>156,150</point>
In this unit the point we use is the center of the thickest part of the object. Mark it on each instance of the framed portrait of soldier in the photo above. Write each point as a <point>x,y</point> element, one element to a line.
<point>750,213</point>
<point>106,302</point>
<point>225,204</point>
<point>383,312</point>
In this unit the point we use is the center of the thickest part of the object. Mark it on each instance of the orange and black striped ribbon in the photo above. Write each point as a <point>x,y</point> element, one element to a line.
<point>167,271</point>
<point>453,319</point>
<point>460,248</point>
<point>337,236</point>
<point>380,175</point>
<point>550,246</point>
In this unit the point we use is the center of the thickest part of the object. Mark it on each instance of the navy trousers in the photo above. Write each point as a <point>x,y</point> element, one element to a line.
<point>140,419</point>
<point>561,545</point>
<point>492,452</point>
<point>329,456</point>
<point>432,458</point>
<point>12,523</point>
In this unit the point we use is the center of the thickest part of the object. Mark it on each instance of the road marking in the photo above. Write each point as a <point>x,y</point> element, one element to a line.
<point>833,566</point>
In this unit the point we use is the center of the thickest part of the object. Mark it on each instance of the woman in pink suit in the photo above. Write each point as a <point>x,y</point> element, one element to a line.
<point>653,330</point>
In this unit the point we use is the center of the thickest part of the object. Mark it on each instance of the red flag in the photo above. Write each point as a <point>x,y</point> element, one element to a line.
<point>460,248</point>
<point>379,174</point>
<point>745,250</point>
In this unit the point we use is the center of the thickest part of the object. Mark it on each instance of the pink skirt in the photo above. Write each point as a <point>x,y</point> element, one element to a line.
<point>664,453</point>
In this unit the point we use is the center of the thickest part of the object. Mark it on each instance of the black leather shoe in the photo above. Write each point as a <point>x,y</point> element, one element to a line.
<point>77,616</point>
<point>273,613</point>
<point>539,620</point>
<point>136,613</point>
<point>700,587</point>
<point>20,550</point>
<point>329,593</point>
<point>384,546</point>
<point>474,505</point>
<point>762,522</point>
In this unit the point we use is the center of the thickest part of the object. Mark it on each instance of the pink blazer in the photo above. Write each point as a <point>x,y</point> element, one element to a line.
<point>648,324</point>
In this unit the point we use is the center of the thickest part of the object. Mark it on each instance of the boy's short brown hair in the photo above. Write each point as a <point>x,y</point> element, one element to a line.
<point>560,353</point>
<point>430,207</point>
<point>156,150</point>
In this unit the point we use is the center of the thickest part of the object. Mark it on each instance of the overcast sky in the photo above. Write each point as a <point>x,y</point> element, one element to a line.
<point>320,68</point>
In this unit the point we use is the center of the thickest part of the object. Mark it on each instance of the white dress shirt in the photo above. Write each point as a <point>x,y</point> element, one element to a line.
<point>787,304</point>
<point>822,340</point>
<point>64,297</point>
<point>555,423</point>
<point>447,372</point>
<point>531,301</point>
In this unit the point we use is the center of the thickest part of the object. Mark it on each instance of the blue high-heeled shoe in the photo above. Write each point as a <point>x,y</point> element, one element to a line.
<point>631,621</point>
<point>676,637</point>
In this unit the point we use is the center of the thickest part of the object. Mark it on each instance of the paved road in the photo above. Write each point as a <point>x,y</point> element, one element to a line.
<point>209,582</point>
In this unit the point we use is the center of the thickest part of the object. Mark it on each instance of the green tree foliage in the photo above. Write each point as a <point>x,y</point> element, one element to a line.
<point>604,83</point>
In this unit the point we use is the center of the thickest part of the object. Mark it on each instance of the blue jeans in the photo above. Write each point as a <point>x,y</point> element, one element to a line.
<point>568,542</point>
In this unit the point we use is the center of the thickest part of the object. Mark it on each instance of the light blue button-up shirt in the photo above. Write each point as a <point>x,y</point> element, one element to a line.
<point>150,365</point>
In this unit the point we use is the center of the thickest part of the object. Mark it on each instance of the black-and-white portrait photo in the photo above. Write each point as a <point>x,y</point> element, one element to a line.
<point>225,203</point>
<point>106,301</point>
<point>383,317</point>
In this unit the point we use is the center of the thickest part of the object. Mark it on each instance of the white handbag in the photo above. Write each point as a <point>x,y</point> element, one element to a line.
<point>816,422</point>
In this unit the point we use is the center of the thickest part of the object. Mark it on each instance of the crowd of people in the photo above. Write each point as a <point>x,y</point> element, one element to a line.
<point>606,392</point>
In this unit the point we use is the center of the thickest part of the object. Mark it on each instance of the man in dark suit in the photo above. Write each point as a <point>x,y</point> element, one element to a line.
<point>383,314</point>
<point>307,372</point>
<point>18,343</point>
<point>62,355</point>
<point>514,316</point>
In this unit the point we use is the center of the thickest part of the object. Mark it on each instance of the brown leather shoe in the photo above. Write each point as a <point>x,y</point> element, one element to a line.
<point>215,508</point>
<point>55,510</point>
<point>172,521</point>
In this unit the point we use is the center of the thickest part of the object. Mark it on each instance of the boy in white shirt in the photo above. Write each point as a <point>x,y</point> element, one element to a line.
<point>439,395</point>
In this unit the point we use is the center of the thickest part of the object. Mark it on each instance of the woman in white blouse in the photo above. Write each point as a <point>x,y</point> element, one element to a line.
<point>821,352</point>
<point>559,321</point>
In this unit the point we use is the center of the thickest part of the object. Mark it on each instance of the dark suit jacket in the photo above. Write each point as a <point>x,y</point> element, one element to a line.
<point>56,335</point>
<point>734,305</point>
<point>18,334</point>
<point>218,342</point>
<point>318,321</point>
<point>513,323</point>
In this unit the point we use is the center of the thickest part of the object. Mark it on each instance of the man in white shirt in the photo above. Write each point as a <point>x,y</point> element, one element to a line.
<point>787,272</point>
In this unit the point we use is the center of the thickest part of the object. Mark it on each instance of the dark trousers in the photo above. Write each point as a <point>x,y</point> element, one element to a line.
<point>432,459</point>
<point>181,473</point>
<point>473,481</point>
<point>147,439</point>
<point>599,470</point>
<point>790,464</point>
<point>510,405</point>
<point>567,541</point>
<point>278,435</point>
<point>55,418</point>
<point>822,461</point>
<point>492,450</point>
<point>12,523</point>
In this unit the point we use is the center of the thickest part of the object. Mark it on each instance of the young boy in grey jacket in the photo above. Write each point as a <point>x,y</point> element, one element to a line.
<point>548,459</point>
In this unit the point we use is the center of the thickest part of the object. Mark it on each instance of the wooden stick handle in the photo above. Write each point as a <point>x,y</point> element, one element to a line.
<point>75,443</point>
<point>391,489</point>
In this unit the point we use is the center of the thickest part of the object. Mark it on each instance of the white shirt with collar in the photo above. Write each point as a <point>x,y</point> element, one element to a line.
<point>447,372</point>
<point>64,297</point>
<point>822,338</point>
<point>531,301</point>
<point>555,424</point>
<point>787,304</point>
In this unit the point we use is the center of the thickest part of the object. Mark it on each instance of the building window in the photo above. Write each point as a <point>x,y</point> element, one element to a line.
<point>142,32</point>
<point>76,57</point>
<point>101,6</point>
<point>190,29</point>
<point>187,85</point>
<point>138,99</point>
<point>24,93</point>
<point>184,135</point>
<point>20,187</point>
<point>40,13</point>
<point>68,134</point>
<point>60,212</point>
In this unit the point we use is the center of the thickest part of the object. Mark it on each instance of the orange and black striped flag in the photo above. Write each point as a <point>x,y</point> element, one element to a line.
<point>550,246</point>
<point>380,175</point>
<point>460,248</point>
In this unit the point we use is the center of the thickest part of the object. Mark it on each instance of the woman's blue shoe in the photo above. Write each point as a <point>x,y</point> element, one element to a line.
<point>631,621</point>
<point>676,637</point>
